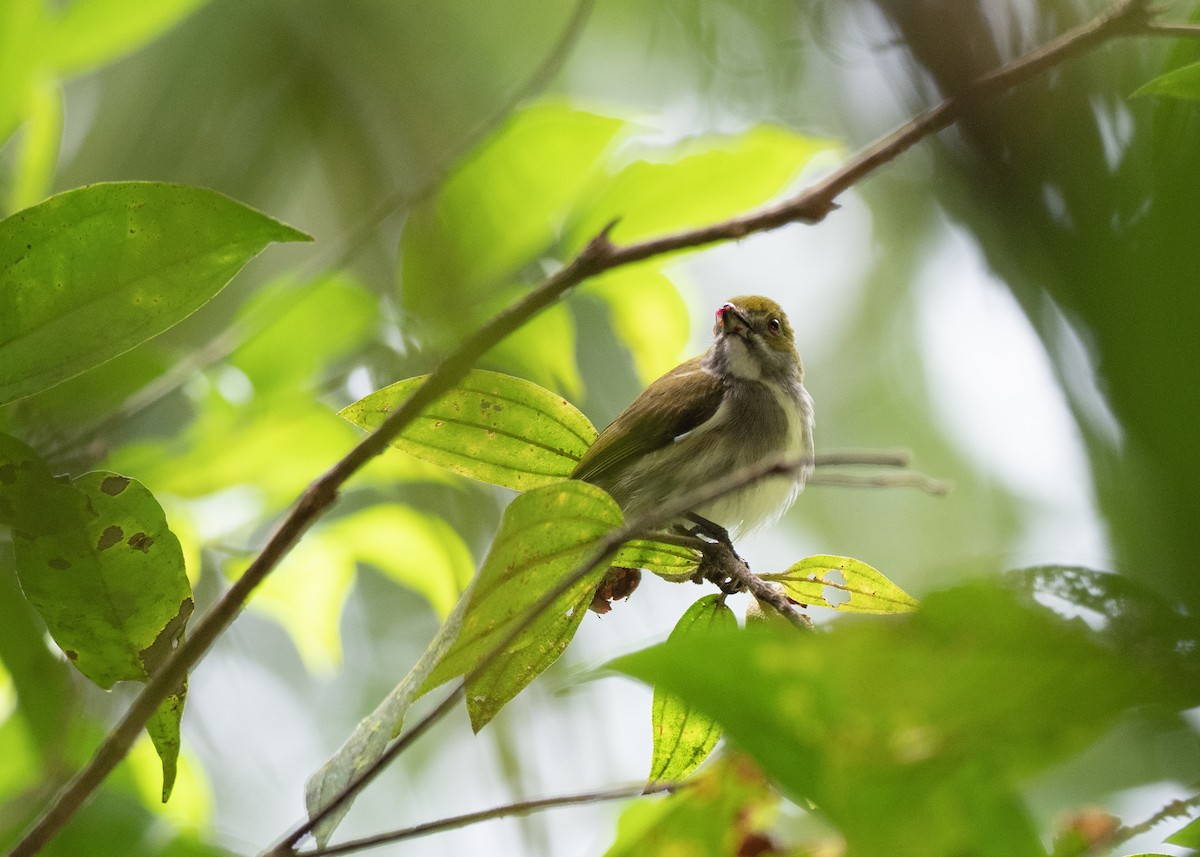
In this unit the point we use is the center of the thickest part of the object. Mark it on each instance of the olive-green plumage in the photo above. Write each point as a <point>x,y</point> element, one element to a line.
<point>739,404</point>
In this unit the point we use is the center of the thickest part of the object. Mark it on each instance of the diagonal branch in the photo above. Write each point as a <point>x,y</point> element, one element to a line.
<point>1125,17</point>
<point>600,554</point>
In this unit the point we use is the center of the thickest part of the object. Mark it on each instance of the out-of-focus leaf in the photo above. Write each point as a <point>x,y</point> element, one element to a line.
<point>88,33</point>
<point>648,314</point>
<point>106,574</point>
<point>542,351</point>
<point>910,735</point>
<point>502,208</point>
<point>38,677</point>
<point>21,36</point>
<point>719,814</point>
<point>868,591</point>
<point>704,181</point>
<point>414,549</point>
<point>92,272</point>
<point>307,593</point>
<point>684,736</point>
<point>1133,615</point>
<point>293,331</point>
<point>38,148</point>
<point>1180,83</point>
<point>546,534</point>
<point>370,738</point>
<point>231,445</point>
<point>491,427</point>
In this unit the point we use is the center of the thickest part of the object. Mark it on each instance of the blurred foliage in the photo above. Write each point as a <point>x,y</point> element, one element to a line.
<point>408,138</point>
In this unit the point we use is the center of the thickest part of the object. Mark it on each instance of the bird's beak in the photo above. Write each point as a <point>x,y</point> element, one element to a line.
<point>732,322</point>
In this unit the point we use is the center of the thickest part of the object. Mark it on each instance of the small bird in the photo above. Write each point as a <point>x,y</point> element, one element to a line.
<point>739,404</point>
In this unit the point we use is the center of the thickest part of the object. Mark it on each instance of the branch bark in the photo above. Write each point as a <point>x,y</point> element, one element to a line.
<point>810,206</point>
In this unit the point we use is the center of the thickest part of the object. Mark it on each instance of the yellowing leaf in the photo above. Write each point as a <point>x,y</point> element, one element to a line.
<point>868,591</point>
<point>546,535</point>
<point>491,427</point>
<point>683,735</point>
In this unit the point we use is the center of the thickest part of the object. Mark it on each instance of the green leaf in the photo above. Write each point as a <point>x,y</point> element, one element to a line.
<point>1187,836</point>
<point>910,735</point>
<point>307,593</point>
<point>37,151</point>
<point>491,427</point>
<point>1181,83</point>
<point>370,738</point>
<point>713,817</point>
<point>90,273</point>
<point>105,573</point>
<point>655,326</point>
<point>703,181</point>
<point>546,534</point>
<point>87,33</point>
<point>684,736</point>
<point>501,208</point>
<point>869,591</point>
<point>96,559</point>
<point>669,561</point>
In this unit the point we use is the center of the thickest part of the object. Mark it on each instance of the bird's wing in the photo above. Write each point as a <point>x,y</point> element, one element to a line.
<point>643,428</point>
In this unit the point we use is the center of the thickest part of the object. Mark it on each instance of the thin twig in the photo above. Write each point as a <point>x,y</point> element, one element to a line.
<point>865,457</point>
<point>1188,31</point>
<point>518,808</point>
<point>735,481</point>
<point>919,481</point>
<point>810,206</point>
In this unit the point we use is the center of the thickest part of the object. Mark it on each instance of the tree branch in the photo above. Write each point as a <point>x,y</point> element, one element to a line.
<point>604,548</point>
<point>518,808</point>
<point>810,206</point>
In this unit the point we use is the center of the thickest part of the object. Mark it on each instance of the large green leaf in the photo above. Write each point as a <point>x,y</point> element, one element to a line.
<point>97,560</point>
<point>703,181</point>
<point>683,735</point>
<point>491,427</point>
<point>1183,82</point>
<point>546,534</point>
<point>90,273</point>
<point>911,734</point>
<point>865,590</point>
<point>502,208</point>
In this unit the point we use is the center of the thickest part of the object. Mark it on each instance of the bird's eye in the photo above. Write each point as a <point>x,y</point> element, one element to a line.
<point>774,326</point>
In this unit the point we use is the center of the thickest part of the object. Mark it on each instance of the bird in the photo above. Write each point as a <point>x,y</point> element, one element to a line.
<point>742,403</point>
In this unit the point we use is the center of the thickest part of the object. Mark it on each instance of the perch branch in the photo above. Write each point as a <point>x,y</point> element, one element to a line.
<point>810,206</point>
<point>523,807</point>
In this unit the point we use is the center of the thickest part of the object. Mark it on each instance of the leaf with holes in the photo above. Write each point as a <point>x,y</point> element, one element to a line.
<point>683,735</point>
<point>490,426</point>
<point>546,535</point>
<point>106,574</point>
<point>868,591</point>
<point>92,272</point>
